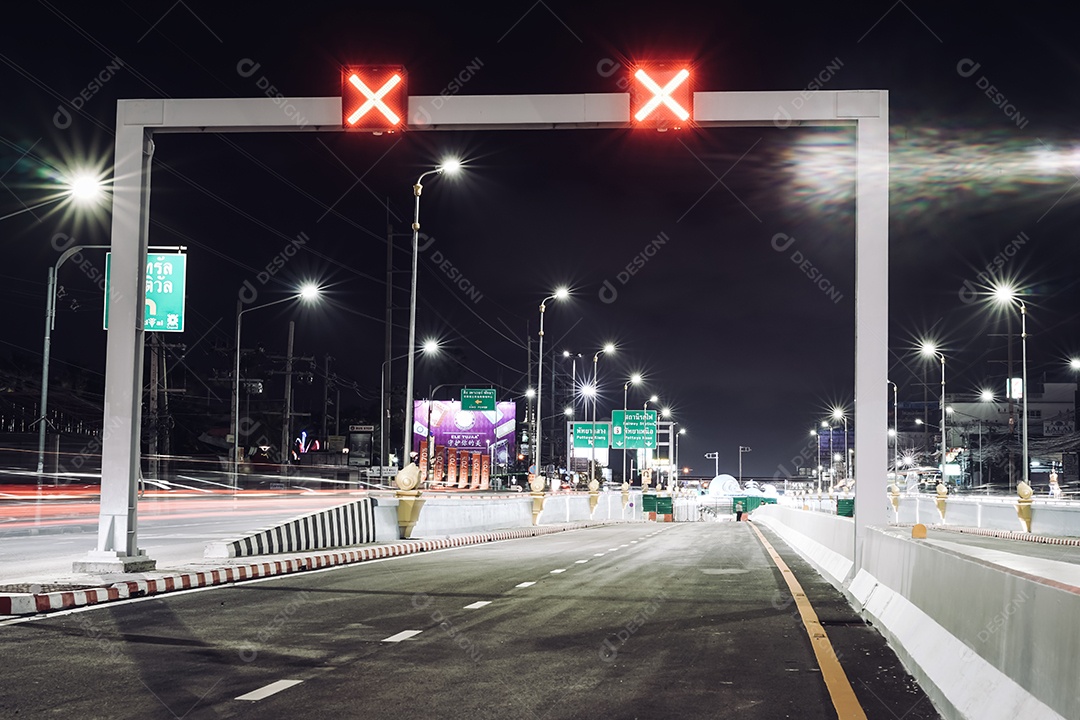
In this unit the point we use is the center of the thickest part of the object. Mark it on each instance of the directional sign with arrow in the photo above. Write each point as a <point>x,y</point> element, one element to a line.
<point>633,429</point>
<point>478,399</point>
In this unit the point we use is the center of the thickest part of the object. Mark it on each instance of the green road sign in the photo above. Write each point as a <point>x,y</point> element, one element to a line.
<point>165,280</point>
<point>478,399</point>
<point>633,429</point>
<point>586,434</point>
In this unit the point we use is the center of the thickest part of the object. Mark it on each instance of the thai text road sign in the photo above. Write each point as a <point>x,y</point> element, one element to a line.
<point>164,305</point>
<point>587,435</point>
<point>633,429</point>
<point>478,399</point>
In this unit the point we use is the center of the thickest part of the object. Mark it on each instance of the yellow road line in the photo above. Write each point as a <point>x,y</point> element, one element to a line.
<point>836,680</point>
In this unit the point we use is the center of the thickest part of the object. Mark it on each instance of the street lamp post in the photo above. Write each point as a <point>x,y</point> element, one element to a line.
<point>634,379</point>
<point>742,449</point>
<point>832,459</point>
<point>1009,294</point>
<point>50,321</point>
<point>84,188</point>
<point>451,166</point>
<point>930,350</point>
<point>559,294</point>
<point>896,431</point>
<point>307,293</point>
<point>609,348</point>
<point>682,431</point>
<point>429,347</point>
<point>839,414</point>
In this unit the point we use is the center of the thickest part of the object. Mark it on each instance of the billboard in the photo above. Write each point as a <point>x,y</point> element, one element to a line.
<point>486,431</point>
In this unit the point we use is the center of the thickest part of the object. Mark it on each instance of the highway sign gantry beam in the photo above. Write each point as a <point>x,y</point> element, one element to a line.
<point>139,120</point>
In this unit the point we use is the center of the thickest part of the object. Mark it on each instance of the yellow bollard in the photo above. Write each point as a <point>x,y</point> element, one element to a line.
<point>536,486</point>
<point>894,498</point>
<point>1023,507</point>
<point>918,531</point>
<point>409,500</point>
<point>942,495</point>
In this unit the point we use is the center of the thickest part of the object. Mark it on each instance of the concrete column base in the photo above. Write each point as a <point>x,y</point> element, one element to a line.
<point>100,563</point>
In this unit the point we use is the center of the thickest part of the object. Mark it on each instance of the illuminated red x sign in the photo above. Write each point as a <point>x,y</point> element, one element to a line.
<point>373,97</point>
<point>662,97</point>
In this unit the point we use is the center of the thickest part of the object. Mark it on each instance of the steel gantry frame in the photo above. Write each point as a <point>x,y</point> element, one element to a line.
<point>138,121</point>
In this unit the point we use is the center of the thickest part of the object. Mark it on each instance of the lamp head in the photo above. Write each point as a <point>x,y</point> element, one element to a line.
<point>309,292</point>
<point>450,166</point>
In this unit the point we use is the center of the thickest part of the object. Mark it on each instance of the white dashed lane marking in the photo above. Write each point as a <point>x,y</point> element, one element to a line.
<point>403,635</point>
<point>268,690</point>
<point>579,562</point>
<point>477,605</point>
<point>525,584</point>
<point>556,572</point>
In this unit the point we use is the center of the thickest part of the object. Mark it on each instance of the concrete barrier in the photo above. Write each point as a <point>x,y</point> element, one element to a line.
<point>609,506</point>
<point>451,515</point>
<point>352,523</point>
<point>983,637</point>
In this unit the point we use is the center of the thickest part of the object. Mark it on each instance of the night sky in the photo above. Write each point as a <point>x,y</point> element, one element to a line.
<point>723,317</point>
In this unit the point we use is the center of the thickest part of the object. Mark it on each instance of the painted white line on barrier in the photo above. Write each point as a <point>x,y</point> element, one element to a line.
<point>403,635</point>
<point>477,605</point>
<point>271,689</point>
<point>525,584</point>
<point>556,572</point>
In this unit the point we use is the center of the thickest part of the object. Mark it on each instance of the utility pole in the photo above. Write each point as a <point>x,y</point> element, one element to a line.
<point>326,395</point>
<point>384,437</point>
<point>286,420</point>
<point>152,410</point>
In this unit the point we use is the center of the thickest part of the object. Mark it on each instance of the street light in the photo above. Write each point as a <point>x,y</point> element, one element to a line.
<point>832,464</point>
<point>928,349</point>
<point>742,449</point>
<point>682,431</point>
<point>895,431</point>
<point>634,379</point>
<point>85,189</point>
<point>608,349</point>
<point>1008,294</point>
<point>559,294</point>
<point>430,347</point>
<point>838,414</point>
<point>307,293</point>
<point>452,167</point>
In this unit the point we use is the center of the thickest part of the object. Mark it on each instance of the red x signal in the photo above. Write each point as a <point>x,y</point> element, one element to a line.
<point>662,96</point>
<point>373,98</point>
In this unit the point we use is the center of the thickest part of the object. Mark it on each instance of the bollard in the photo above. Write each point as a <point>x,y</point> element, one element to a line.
<point>942,494</point>
<point>894,498</point>
<point>918,531</point>
<point>536,485</point>
<point>625,494</point>
<point>409,501</point>
<point>1023,506</point>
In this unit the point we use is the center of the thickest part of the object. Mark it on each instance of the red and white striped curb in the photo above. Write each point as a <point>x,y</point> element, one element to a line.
<point>31,603</point>
<point>1004,534</point>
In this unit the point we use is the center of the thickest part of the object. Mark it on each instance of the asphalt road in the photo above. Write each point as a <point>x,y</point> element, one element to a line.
<point>627,621</point>
<point>40,539</point>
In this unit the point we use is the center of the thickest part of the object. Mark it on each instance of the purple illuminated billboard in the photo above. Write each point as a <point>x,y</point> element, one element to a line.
<point>486,431</point>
